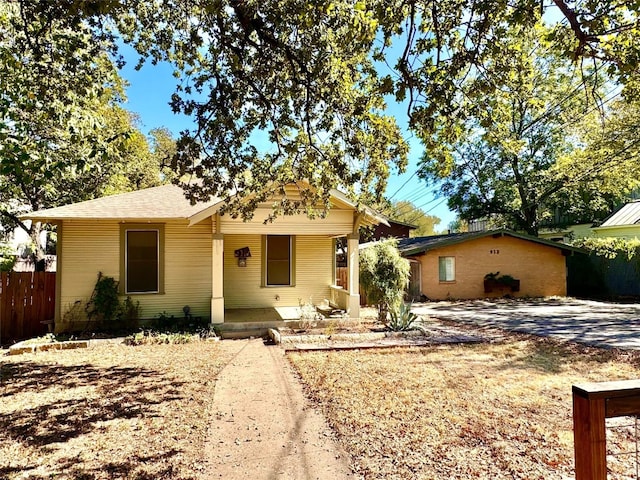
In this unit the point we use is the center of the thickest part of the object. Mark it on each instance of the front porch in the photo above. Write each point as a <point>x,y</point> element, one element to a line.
<point>255,322</point>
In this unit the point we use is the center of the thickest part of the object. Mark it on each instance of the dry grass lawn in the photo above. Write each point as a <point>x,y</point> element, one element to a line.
<point>108,411</point>
<point>491,411</point>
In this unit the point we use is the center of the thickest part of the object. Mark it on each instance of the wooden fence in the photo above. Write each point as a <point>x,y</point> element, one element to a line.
<point>26,300</point>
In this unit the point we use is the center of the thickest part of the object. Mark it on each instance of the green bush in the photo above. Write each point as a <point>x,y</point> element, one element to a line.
<point>611,247</point>
<point>7,257</point>
<point>169,322</point>
<point>151,337</point>
<point>384,275</point>
<point>104,304</point>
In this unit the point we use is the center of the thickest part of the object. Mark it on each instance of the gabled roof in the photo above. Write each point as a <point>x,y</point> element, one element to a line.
<point>166,202</point>
<point>628,214</point>
<point>163,202</point>
<point>404,224</point>
<point>418,245</point>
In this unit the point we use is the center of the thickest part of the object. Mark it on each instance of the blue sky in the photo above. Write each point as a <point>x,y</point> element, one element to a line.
<point>151,87</point>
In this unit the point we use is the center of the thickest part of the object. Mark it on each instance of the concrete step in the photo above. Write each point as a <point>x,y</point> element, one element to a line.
<point>247,333</point>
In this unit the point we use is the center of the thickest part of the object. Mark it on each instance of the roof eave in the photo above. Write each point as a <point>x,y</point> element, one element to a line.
<point>502,232</point>
<point>203,214</point>
<point>52,219</point>
<point>612,227</point>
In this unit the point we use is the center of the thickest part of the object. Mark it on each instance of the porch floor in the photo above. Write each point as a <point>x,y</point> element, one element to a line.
<point>261,315</point>
<point>254,322</point>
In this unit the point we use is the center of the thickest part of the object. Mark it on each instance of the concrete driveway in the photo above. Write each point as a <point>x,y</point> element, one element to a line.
<point>601,324</point>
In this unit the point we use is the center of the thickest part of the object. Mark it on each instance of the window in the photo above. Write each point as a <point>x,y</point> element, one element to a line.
<point>447,268</point>
<point>142,259</point>
<point>278,260</point>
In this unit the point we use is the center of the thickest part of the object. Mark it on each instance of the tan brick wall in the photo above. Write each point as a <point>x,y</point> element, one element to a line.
<point>540,269</point>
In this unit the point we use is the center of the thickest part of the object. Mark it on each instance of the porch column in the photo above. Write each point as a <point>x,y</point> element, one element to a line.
<point>353,275</point>
<point>57,319</point>
<point>217,278</point>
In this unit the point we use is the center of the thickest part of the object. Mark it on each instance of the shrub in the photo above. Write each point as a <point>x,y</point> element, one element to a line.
<point>611,247</point>
<point>7,257</point>
<point>309,316</point>
<point>187,322</point>
<point>104,304</point>
<point>384,275</point>
<point>151,337</point>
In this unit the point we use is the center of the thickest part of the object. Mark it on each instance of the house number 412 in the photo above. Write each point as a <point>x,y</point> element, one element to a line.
<point>494,252</point>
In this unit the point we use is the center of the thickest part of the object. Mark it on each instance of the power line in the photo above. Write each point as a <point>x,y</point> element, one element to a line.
<point>420,213</point>
<point>405,183</point>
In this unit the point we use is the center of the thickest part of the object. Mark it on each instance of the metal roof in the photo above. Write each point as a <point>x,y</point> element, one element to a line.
<point>628,214</point>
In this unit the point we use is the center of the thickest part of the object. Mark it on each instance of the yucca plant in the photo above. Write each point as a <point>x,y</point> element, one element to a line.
<point>401,318</point>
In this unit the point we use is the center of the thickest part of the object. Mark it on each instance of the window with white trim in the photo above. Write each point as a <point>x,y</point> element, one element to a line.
<point>447,269</point>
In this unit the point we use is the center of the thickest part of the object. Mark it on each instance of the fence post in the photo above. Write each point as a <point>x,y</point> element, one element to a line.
<point>589,437</point>
<point>592,404</point>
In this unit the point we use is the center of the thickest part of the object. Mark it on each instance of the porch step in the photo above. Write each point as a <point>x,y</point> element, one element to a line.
<point>246,333</point>
<point>247,329</point>
<point>260,329</point>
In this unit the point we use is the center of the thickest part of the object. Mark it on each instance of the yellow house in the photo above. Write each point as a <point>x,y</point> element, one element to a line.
<point>167,254</point>
<point>455,266</point>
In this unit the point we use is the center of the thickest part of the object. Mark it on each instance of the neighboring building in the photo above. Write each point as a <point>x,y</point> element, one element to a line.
<point>21,244</point>
<point>167,253</point>
<point>622,223</point>
<point>568,233</point>
<point>455,265</point>
<point>395,229</point>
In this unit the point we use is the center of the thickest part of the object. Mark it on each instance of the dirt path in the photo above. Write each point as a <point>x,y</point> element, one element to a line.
<point>262,426</point>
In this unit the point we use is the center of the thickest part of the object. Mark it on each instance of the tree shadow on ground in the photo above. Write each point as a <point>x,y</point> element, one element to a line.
<point>548,355</point>
<point>121,393</point>
<point>138,467</point>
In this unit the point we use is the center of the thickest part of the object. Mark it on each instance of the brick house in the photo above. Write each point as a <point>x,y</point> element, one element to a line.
<point>455,265</point>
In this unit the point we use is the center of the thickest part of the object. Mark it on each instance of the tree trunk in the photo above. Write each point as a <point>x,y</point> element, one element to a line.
<point>38,254</point>
<point>383,312</point>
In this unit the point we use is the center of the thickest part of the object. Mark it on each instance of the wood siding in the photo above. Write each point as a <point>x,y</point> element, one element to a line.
<point>540,269</point>
<point>629,232</point>
<point>337,222</point>
<point>89,247</point>
<point>314,273</point>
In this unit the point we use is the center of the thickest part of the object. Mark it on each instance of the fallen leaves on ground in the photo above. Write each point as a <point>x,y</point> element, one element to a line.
<point>495,411</point>
<point>110,411</point>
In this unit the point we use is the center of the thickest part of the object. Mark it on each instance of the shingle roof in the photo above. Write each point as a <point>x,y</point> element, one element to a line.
<point>163,202</point>
<point>628,214</point>
<point>414,246</point>
<point>156,203</point>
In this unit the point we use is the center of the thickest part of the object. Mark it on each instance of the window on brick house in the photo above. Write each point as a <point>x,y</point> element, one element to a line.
<point>447,269</point>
